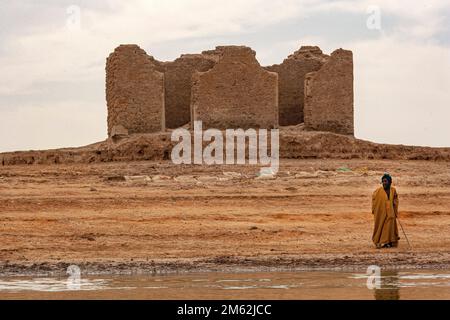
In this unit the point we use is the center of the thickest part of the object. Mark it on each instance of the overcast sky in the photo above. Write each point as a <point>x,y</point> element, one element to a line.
<point>52,58</point>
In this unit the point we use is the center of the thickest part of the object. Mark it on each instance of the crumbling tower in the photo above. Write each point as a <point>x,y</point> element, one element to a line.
<point>134,92</point>
<point>329,95</point>
<point>291,79</point>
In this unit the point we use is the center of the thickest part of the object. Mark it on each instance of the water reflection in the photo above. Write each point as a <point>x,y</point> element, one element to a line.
<point>417,284</point>
<point>389,286</point>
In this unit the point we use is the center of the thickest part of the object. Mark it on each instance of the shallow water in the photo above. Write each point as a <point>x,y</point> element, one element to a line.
<point>423,284</point>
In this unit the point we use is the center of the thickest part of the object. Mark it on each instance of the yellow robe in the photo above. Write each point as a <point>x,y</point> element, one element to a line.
<point>385,212</point>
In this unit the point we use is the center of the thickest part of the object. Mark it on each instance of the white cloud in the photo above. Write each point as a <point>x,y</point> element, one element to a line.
<point>63,54</point>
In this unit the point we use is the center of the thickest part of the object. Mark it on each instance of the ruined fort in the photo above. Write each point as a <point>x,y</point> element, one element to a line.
<point>309,97</point>
<point>228,88</point>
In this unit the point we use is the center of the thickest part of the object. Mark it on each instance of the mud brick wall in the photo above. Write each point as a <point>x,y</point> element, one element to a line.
<point>177,82</point>
<point>236,93</point>
<point>291,78</point>
<point>134,91</point>
<point>329,95</point>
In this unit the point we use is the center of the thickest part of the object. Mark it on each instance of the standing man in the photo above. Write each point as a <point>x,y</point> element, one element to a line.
<point>385,211</point>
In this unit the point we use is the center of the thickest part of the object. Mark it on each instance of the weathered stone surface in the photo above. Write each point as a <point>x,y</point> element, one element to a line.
<point>177,81</point>
<point>236,93</point>
<point>291,78</point>
<point>134,91</point>
<point>118,132</point>
<point>329,95</point>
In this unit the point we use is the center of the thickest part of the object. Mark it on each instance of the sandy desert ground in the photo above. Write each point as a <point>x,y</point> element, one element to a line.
<point>315,214</point>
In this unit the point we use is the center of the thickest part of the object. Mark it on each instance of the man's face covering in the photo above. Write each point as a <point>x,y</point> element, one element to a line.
<point>386,181</point>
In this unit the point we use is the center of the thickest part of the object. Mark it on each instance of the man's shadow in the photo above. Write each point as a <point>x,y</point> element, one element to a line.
<point>389,289</point>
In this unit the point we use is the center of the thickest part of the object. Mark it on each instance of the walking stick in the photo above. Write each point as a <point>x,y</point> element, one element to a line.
<point>401,226</point>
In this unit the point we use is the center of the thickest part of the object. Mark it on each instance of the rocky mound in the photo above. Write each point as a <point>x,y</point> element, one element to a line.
<point>294,143</point>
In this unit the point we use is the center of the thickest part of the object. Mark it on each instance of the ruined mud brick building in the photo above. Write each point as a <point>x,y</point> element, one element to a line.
<point>291,80</point>
<point>134,92</point>
<point>227,88</point>
<point>236,92</point>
